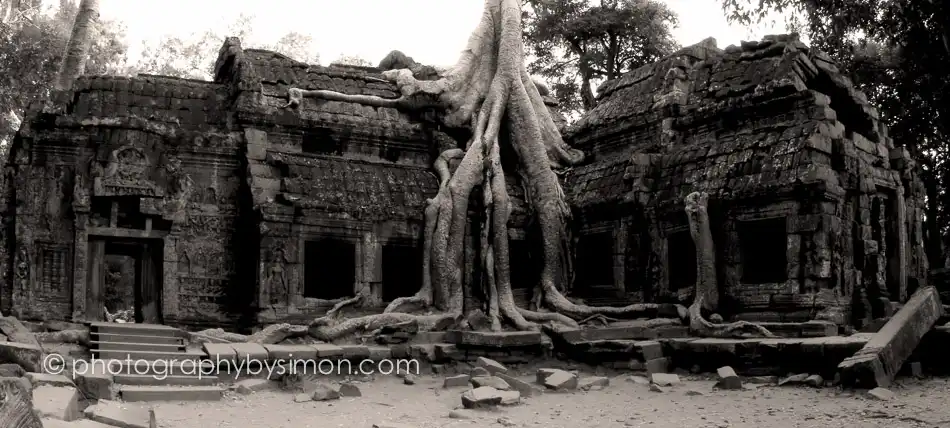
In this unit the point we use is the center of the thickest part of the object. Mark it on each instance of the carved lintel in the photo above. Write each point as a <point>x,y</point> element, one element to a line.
<point>127,175</point>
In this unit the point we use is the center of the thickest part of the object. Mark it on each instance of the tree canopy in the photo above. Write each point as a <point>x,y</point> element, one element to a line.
<point>32,47</point>
<point>897,52</point>
<point>575,44</point>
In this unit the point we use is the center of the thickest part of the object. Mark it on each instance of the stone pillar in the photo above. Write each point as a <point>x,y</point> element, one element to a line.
<point>620,255</point>
<point>372,256</point>
<point>899,264</point>
<point>149,291</point>
<point>169,306</point>
<point>94,279</point>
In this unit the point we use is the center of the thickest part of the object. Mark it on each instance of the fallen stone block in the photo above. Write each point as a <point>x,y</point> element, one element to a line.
<point>524,388</point>
<point>16,407</point>
<point>348,389</point>
<point>28,356</point>
<point>492,381</point>
<point>664,379</point>
<point>815,381</point>
<point>543,374</point>
<point>11,370</point>
<point>57,402</point>
<point>728,379</point>
<point>324,393</point>
<point>479,371</point>
<point>251,354</point>
<point>639,380</point>
<point>456,381</point>
<point>483,397</point>
<point>882,394</point>
<point>118,414</point>
<point>95,386</point>
<point>491,365</point>
<point>509,398</point>
<point>795,379</point>
<point>878,362</point>
<point>656,388</point>
<point>40,379</point>
<point>303,397</point>
<point>657,365</point>
<point>593,383</point>
<point>393,425</point>
<point>561,380</point>
<point>18,332</point>
<point>248,386</point>
<point>461,414</point>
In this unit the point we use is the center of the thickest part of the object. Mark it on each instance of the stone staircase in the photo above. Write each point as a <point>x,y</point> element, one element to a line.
<point>150,363</point>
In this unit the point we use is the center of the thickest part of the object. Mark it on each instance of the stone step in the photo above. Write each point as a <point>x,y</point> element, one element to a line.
<point>169,380</point>
<point>161,367</point>
<point>135,346</point>
<point>130,393</point>
<point>133,338</point>
<point>122,354</point>
<point>134,329</point>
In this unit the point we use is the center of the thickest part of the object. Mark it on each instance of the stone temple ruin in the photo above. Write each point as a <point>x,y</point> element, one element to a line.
<point>223,208</point>
<point>201,204</point>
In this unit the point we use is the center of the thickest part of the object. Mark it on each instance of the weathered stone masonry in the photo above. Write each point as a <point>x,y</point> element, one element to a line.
<point>813,207</point>
<point>238,210</point>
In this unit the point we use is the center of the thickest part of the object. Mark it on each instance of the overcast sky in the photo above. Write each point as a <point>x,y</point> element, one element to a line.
<point>431,31</point>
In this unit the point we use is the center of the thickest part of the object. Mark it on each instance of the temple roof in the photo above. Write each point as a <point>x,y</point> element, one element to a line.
<point>735,123</point>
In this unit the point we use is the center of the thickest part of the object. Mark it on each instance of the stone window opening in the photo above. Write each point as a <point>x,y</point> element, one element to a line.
<point>329,268</point>
<point>402,269</point>
<point>320,143</point>
<point>595,262</point>
<point>763,245</point>
<point>681,260</point>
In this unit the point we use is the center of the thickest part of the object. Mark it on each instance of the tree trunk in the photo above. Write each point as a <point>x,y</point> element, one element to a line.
<point>934,236</point>
<point>77,50</point>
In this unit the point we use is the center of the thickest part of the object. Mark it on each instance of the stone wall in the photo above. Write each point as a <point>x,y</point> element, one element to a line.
<point>159,148</point>
<point>793,158</point>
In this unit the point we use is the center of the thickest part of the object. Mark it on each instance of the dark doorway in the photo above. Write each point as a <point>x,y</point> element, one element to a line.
<point>681,260</point>
<point>124,277</point>
<point>594,272</point>
<point>763,245</point>
<point>402,270</point>
<point>329,268</point>
<point>523,270</point>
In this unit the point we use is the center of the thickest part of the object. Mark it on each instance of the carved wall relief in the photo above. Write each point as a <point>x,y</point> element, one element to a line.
<point>127,174</point>
<point>180,187</point>
<point>276,280</point>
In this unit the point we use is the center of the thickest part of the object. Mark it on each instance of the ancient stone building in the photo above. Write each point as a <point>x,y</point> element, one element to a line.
<point>814,210</point>
<point>218,206</point>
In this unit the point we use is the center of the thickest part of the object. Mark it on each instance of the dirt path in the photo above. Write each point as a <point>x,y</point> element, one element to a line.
<point>622,404</point>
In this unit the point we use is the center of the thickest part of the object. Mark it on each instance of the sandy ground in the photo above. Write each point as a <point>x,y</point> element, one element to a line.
<point>624,403</point>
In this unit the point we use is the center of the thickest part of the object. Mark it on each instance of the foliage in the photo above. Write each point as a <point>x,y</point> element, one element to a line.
<point>896,51</point>
<point>352,60</point>
<point>194,56</point>
<point>31,51</point>
<point>575,44</point>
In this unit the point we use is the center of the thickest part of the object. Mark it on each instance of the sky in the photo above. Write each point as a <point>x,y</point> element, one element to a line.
<point>431,31</point>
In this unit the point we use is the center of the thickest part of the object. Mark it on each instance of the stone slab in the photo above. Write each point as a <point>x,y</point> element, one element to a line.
<point>286,353</point>
<point>28,356</point>
<point>57,402</point>
<point>494,339</point>
<point>39,379</point>
<point>132,393</point>
<point>220,352</point>
<point>118,414</point>
<point>327,350</point>
<point>878,362</point>
<point>250,352</point>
